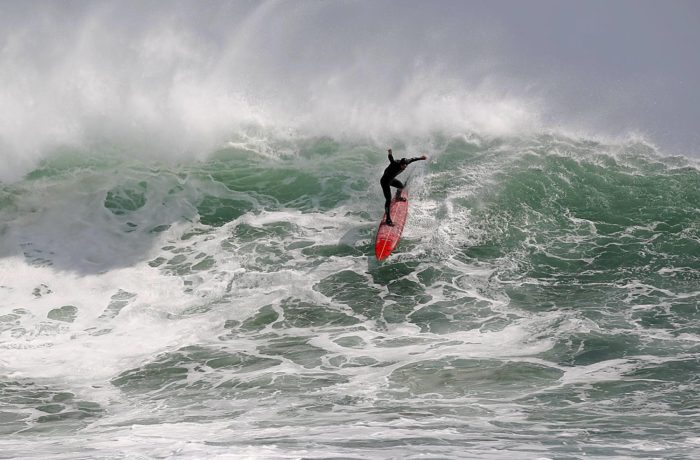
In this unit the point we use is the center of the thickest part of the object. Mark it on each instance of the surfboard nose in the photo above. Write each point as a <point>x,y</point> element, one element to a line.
<point>383,248</point>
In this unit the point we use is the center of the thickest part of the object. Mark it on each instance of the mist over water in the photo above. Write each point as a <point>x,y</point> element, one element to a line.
<point>189,200</point>
<point>178,82</point>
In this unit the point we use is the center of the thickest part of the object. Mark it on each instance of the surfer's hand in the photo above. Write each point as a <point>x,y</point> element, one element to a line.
<point>389,151</point>
<point>424,157</point>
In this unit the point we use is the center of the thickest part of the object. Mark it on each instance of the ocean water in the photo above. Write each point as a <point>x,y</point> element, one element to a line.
<point>188,201</point>
<point>543,303</point>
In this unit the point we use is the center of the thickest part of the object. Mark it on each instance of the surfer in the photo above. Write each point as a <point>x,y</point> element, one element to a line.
<point>389,180</point>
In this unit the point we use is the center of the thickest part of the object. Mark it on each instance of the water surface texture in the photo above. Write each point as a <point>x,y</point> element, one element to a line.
<point>187,264</point>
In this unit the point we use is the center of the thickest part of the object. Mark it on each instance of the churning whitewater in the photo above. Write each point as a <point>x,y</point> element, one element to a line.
<point>543,302</point>
<point>202,284</point>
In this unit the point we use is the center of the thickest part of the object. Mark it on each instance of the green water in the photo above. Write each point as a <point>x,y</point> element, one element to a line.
<point>543,303</point>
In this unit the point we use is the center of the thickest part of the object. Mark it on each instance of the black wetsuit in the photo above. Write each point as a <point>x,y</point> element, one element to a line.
<point>389,180</point>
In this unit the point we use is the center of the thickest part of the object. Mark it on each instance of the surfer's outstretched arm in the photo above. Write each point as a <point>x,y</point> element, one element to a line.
<point>391,157</point>
<point>417,159</point>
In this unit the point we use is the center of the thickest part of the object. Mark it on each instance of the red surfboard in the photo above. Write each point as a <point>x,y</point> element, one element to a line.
<point>388,237</point>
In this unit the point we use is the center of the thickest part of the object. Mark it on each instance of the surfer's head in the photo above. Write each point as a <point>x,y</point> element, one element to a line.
<point>403,163</point>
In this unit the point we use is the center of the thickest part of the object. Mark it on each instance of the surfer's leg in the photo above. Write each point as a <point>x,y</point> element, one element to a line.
<point>387,202</point>
<point>399,187</point>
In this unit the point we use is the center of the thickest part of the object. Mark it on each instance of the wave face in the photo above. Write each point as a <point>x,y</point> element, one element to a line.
<point>545,289</point>
<point>188,201</point>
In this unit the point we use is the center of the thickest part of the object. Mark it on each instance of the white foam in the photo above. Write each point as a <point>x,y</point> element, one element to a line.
<point>74,352</point>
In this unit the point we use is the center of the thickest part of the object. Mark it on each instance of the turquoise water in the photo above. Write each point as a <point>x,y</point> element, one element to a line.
<point>543,303</point>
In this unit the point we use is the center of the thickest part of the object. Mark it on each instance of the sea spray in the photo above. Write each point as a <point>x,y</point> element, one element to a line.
<point>186,225</point>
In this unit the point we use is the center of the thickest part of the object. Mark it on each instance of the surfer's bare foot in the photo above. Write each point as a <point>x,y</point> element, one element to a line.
<point>389,223</point>
<point>400,198</point>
